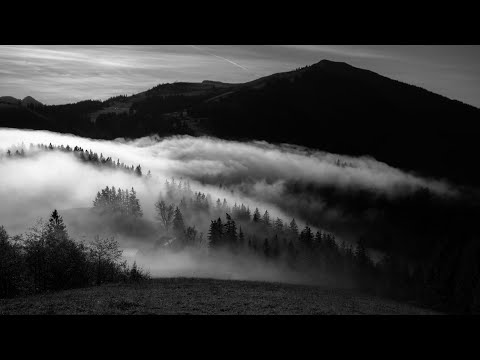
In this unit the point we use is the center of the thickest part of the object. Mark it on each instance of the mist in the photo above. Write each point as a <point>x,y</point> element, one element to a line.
<point>257,174</point>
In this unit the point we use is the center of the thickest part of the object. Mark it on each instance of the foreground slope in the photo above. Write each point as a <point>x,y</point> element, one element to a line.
<point>207,296</point>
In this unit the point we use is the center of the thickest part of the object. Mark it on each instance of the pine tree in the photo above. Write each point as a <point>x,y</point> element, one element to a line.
<point>266,219</point>
<point>138,171</point>
<point>278,225</point>
<point>56,229</point>
<point>98,202</point>
<point>293,228</point>
<point>306,238</point>
<point>134,203</point>
<point>178,224</point>
<point>215,234</point>
<point>256,216</point>
<point>178,228</point>
<point>230,232</point>
<point>318,244</point>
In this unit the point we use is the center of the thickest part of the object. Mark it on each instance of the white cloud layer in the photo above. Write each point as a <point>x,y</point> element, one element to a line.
<point>254,173</point>
<point>57,181</point>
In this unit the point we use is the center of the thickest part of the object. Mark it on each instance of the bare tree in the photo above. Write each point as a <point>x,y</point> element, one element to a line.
<point>164,213</point>
<point>105,255</point>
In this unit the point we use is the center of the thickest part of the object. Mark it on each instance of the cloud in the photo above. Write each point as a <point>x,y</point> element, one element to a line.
<point>221,58</point>
<point>351,51</point>
<point>256,173</point>
<point>62,74</point>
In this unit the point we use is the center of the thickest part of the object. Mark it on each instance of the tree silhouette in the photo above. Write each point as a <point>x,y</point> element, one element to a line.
<point>293,228</point>
<point>256,216</point>
<point>164,214</point>
<point>215,234</point>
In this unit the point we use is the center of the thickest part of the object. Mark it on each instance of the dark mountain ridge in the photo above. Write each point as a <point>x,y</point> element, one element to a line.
<point>330,106</point>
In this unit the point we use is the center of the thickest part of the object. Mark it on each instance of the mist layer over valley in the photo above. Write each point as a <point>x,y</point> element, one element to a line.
<point>344,200</point>
<point>279,178</point>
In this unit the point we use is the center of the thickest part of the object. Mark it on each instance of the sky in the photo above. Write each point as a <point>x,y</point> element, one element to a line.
<point>58,74</point>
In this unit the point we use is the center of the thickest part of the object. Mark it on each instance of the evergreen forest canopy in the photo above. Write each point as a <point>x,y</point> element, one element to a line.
<point>87,156</point>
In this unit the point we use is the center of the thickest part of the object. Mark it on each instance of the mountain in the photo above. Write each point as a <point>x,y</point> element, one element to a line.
<point>331,106</point>
<point>23,114</point>
<point>27,101</point>
<point>10,100</point>
<point>339,108</point>
<point>30,101</point>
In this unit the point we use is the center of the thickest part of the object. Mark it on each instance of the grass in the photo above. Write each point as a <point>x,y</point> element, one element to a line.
<point>205,296</point>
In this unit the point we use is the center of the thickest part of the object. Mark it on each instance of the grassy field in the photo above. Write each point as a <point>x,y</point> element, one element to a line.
<point>205,296</point>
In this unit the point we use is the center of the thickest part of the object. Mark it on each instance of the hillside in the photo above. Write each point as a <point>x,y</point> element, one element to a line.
<point>329,106</point>
<point>207,297</point>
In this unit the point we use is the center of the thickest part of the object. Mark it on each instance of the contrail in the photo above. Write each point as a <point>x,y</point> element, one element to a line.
<point>222,58</point>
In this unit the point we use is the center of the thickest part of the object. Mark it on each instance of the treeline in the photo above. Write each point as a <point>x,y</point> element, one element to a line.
<point>448,279</point>
<point>243,232</point>
<point>47,259</point>
<point>123,202</point>
<point>153,114</point>
<point>82,154</point>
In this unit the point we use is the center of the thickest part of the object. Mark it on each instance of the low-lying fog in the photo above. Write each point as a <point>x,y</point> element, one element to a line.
<point>255,173</point>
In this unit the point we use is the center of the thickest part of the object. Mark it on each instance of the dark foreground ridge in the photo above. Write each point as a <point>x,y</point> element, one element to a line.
<point>171,296</point>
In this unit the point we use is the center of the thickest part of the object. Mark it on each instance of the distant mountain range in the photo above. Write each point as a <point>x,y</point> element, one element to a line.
<point>10,100</point>
<point>330,106</point>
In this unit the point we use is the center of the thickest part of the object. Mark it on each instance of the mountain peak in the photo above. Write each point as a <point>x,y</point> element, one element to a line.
<point>332,64</point>
<point>30,100</point>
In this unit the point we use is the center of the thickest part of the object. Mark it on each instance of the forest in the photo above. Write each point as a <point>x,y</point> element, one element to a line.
<point>46,258</point>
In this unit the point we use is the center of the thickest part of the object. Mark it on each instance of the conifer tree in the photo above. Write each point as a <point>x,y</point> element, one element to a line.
<point>56,229</point>
<point>306,238</point>
<point>293,228</point>
<point>138,171</point>
<point>266,219</point>
<point>256,216</point>
<point>215,234</point>
<point>278,225</point>
<point>134,203</point>
<point>178,227</point>
<point>230,232</point>
<point>318,244</point>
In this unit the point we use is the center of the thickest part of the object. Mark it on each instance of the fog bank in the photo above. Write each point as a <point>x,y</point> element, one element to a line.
<point>257,174</point>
